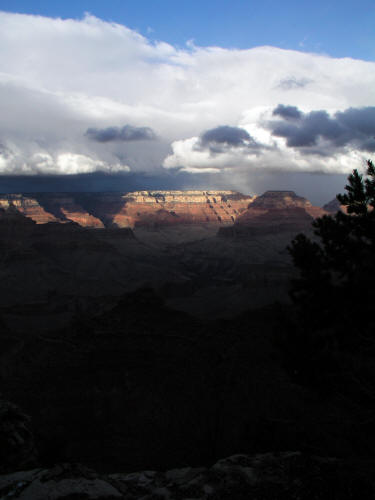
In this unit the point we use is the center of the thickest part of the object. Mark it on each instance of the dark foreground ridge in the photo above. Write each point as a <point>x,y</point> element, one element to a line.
<point>270,476</point>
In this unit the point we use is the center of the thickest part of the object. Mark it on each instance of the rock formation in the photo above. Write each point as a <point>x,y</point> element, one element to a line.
<point>275,211</point>
<point>139,208</point>
<point>145,208</point>
<point>280,200</point>
<point>65,208</point>
<point>165,208</point>
<point>267,476</point>
<point>27,206</point>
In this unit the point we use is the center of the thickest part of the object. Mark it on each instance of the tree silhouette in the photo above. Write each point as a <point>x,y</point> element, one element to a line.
<point>336,283</point>
<point>334,293</point>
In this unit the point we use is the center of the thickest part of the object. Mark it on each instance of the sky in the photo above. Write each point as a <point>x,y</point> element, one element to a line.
<point>243,95</point>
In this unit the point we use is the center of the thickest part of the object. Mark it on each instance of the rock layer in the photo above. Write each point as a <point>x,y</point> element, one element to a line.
<point>139,208</point>
<point>164,208</point>
<point>27,206</point>
<point>144,208</point>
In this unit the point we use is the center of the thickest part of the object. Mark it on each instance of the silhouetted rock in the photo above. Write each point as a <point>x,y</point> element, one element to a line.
<point>288,475</point>
<point>17,447</point>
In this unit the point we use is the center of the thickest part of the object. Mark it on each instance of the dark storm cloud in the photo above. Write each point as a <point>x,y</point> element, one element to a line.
<point>360,119</point>
<point>232,136</point>
<point>312,126</point>
<point>287,112</point>
<point>354,127</point>
<point>123,134</point>
<point>220,139</point>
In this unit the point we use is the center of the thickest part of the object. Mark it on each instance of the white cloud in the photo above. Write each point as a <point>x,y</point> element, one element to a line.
<point>18,163</point>
<point>60,77</point>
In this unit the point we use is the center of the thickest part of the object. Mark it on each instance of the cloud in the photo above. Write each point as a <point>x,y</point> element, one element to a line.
<point>231,136</point>
<point>17,162</point>
<point>287,112</point>
<point>295,142</point>
<point>353,127</point>
<point>214,150</point>
<point>223,138</point>
<point>125,134</point>
<point>50,99</point>
<point>294,83</point>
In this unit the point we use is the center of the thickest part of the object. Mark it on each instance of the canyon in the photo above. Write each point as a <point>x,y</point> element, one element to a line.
<point>143,332</point>
<point>139,208</point>
<point>159,208</point>
<point>209,253</point>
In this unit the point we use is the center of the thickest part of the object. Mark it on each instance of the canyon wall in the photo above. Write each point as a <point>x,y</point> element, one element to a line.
<point>139,208</point>
<point>165,208</point>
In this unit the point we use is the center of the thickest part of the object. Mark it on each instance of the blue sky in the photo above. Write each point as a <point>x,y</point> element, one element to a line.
<point>343,28</point>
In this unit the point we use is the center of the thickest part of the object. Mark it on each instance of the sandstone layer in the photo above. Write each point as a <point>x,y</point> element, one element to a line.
<point>152,209</point>
<point>144,208</point>
<point>139,208</point>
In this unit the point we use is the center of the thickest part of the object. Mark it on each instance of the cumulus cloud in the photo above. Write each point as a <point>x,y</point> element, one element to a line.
<point>67,87</point>
<point>214,150</point>
<point>126,133</point>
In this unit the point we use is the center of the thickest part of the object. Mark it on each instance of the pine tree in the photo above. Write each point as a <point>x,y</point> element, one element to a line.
<point>335,291</point>
<point>337,269</point>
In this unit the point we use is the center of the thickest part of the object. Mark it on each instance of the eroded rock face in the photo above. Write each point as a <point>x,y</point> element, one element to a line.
<point>275,211</point>
<point>27,206</point>
<point>139,208</point>
<point>281,476</point>
<point>66,208</point>
<point>153,208</point>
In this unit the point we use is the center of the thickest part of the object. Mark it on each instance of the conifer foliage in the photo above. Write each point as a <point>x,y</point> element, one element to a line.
<point>334,294</point>
<point>336,285</point>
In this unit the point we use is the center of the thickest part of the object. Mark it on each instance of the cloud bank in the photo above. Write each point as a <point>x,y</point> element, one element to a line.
<point>83,96</point>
